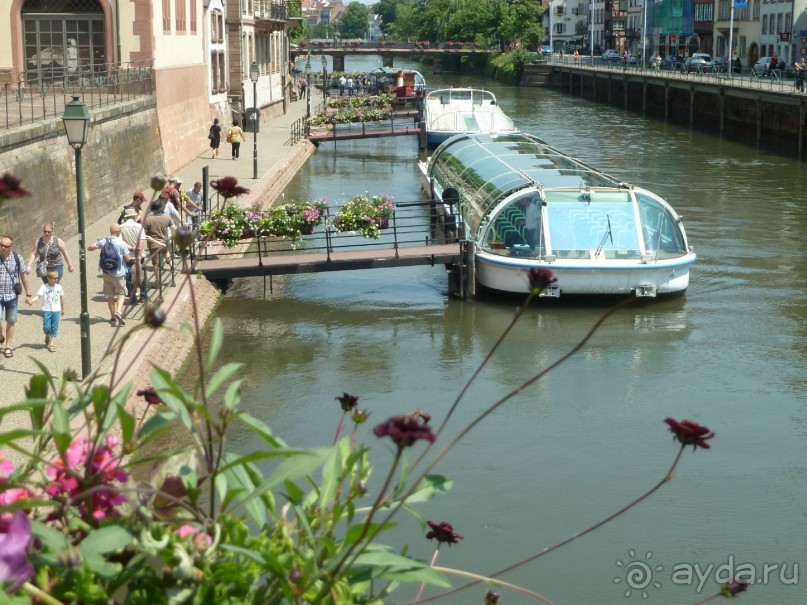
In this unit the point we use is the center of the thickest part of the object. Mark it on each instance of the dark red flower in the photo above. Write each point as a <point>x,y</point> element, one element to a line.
<point>733,588</point>
<point>540,278</point>
<point>10,187</point>
<point>348,402</point>
<point>150,395</point>
<point>690,433</point>
<point>404,431</point>
<point>443,532</point>
<point>228,187</point>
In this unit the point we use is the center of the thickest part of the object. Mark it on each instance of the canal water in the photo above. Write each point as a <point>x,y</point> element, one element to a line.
<point>590,437</point>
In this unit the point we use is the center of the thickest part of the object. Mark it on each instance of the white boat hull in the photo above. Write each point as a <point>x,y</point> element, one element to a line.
<point>607,278</point>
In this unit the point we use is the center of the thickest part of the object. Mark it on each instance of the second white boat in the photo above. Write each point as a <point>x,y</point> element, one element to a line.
<point>451,111</point>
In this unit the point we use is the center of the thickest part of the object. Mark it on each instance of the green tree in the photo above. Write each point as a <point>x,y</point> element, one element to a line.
<point>387,9</point>
<point>354,21</point>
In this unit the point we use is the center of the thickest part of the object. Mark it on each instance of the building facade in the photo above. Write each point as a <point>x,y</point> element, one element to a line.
<point>198,52</point>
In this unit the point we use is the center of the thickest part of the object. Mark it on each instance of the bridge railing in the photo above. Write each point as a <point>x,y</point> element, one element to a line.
<point>414,223</point>
<point>33,95</point>
<point>772,80</point>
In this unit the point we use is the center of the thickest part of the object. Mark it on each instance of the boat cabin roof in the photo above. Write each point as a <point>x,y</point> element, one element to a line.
<point>486,168</point>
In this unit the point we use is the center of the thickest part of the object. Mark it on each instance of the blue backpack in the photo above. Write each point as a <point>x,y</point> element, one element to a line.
<point>110,257</point>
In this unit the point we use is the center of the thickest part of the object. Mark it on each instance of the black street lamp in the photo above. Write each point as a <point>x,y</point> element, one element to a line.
<point>324,76</point>
<point>76,120</point>
<point>308,86</point>
<point>254,73</point>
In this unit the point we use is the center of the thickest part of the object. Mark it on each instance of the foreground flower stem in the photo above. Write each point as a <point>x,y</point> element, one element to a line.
<point>40,594</point>
<point>495,582</point>
<point>667,477</point>
<point>212,465</point>
<point>431,564</point>
<point>366,528</point>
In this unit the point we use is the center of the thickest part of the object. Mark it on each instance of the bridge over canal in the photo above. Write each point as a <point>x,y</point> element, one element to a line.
<point>338,52</point>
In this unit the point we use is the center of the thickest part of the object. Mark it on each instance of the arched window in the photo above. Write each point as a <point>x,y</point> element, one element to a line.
<point>63,37</point>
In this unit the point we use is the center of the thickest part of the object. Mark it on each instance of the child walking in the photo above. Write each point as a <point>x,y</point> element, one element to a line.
<point>52,296</point>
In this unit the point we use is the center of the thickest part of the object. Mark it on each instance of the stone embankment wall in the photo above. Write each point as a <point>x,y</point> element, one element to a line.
<point>124,145</point>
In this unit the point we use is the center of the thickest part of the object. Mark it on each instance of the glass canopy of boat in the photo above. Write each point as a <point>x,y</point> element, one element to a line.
<point>487,168</point>
<point>524,198</point>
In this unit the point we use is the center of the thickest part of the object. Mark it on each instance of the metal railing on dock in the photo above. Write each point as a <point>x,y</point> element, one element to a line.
<point>415,223</point>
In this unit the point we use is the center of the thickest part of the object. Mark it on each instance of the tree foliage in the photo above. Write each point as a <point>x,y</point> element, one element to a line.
<point>507,24</point>
<point>354,21</point>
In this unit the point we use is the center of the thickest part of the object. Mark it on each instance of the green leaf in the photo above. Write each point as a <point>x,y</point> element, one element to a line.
<point>216,338</point>
<point>221,375</point>
<point>332,473</point>
<point>37,387</point>
<point>100,399</point>
<point>232,396</point>
<point>127,425</point>
<point>104,540</point>
<point>354,533</point>
<point>429,487</point>
<point>61,428</point>
<point>52,539</point>
<point>294,493</point>
<point>301,464</point>
<point>389,566</point>
<point>156,425</point>
<point>247,553</point>
<point>162,382</point>
<point>261,429</point>
<point>400,487</point>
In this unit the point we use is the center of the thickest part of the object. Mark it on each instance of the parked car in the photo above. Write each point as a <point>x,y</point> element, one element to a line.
<point>545,50</point>
<point>695,64</point>
<point>672,62</point>
<point>762,66</point>
<point>611,55</point>
<point>721,64</point>
<point>706,57</point>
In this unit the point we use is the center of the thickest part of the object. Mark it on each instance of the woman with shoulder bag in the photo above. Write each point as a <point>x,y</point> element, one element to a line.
<point>50,253</point>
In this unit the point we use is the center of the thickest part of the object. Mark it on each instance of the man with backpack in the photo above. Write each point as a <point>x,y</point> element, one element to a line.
<point>115,257</point>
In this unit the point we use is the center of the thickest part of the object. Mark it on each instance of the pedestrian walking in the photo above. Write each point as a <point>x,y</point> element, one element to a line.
<point>112,263</point>
<point>137,204</point>
<point>194,205</point>
<point>13,281</point>
<point>350,86</point>
<point>215,138</point>
<point>234,136</point>
<point>342,84</point>
<point>52,296</point>
<point>134,236</point>
<point>49,253</point>
<point>625,59</point>
<point>158,229</point>
<point>801,72</point>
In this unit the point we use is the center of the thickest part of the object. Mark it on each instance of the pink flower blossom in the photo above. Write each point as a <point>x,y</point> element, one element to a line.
<point>6,466</point>
<point>200,539</point>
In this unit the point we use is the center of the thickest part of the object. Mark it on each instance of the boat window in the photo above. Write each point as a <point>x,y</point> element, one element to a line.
<point>516,230</point>
<point>585,224</point>
<point>662,236</point>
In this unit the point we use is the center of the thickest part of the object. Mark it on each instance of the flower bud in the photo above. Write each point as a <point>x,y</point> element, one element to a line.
<point>183,238</point>
<point>155,316</point>
<point>359,416</point>
<point>158,182</point>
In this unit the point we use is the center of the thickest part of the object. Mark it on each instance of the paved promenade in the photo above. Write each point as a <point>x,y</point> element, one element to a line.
<point>278,161</point>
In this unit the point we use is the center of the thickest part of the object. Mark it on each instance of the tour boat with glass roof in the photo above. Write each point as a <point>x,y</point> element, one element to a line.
<point>525,204</point>
<point>451,111</point>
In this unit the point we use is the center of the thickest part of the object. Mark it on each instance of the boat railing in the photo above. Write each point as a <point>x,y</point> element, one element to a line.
<point>487,120</point>
<point>413,223</point>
